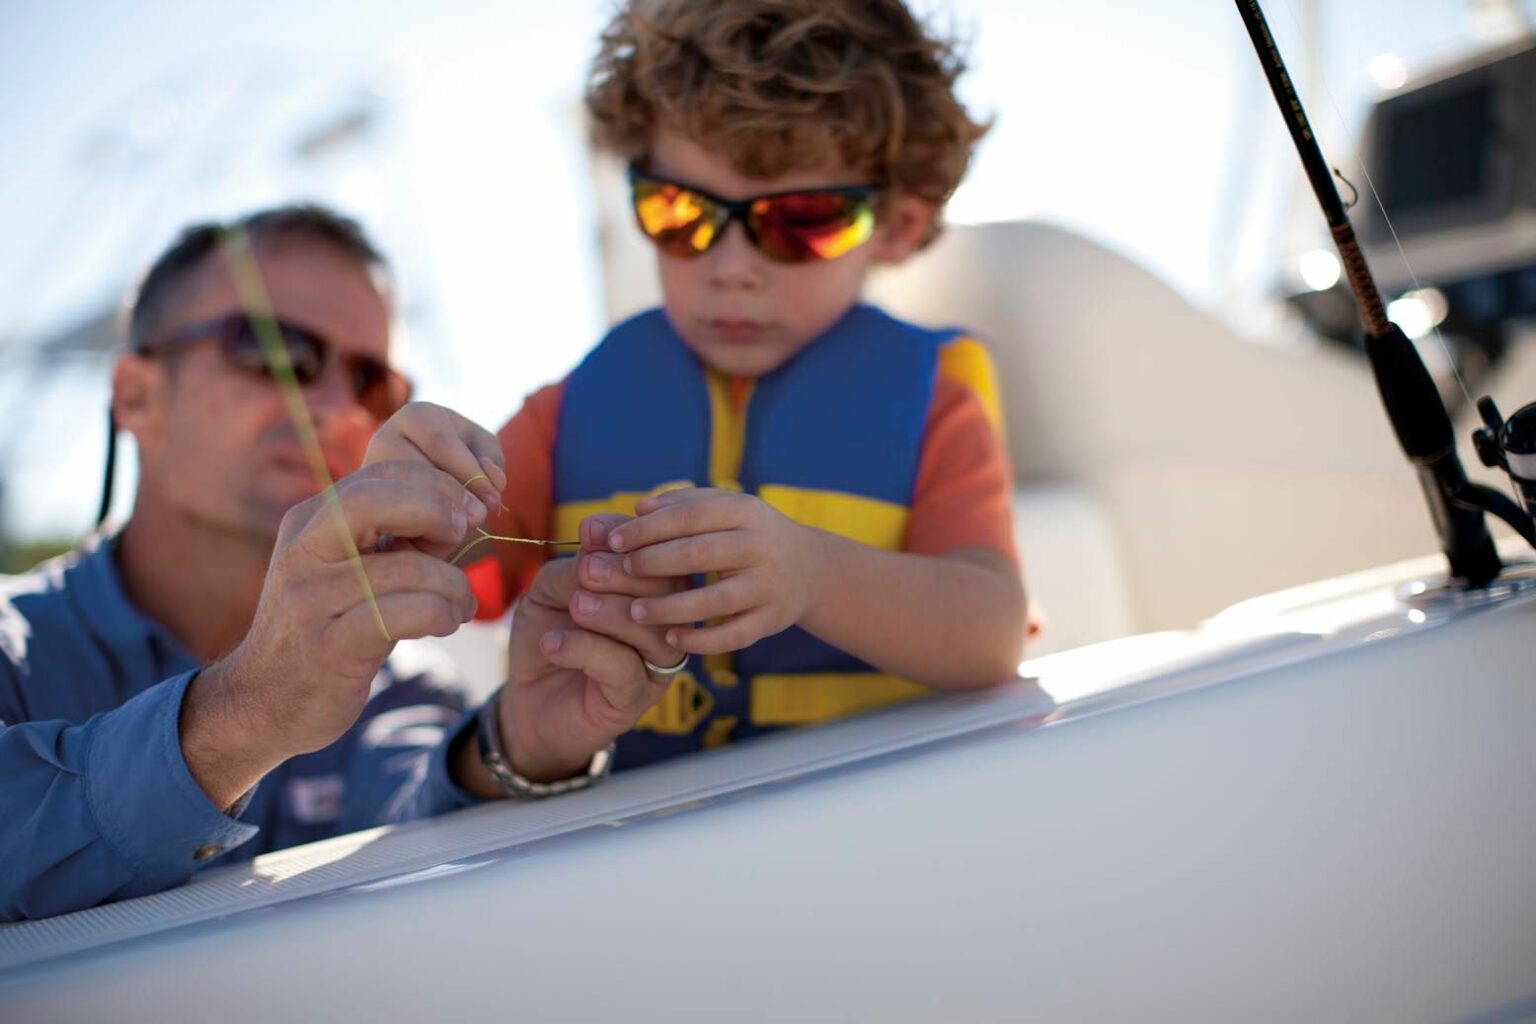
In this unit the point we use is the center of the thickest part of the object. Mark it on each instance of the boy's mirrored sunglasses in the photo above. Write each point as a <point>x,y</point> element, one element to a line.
<point>788,227</point>
<point>378,388</point>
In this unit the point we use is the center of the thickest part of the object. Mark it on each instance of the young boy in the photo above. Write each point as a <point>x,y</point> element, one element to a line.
<point>833,479</point>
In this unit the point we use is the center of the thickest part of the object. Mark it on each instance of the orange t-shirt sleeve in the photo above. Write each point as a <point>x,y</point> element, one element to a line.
<point>964,491</point>
<point>528,445</point>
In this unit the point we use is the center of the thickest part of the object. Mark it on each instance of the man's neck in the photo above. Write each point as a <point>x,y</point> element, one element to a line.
<point>201,583</point>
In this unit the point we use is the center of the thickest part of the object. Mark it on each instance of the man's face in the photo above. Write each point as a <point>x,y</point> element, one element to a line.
<point>216,443</point>
<point>739,311</point>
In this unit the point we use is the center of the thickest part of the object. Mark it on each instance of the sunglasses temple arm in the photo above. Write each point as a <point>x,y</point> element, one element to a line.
<point>106,481</point>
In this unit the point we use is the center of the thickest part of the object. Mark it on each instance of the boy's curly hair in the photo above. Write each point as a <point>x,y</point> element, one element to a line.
<point>781,85</point>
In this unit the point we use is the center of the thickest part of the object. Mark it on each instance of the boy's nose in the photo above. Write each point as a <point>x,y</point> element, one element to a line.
<point>733,262</point>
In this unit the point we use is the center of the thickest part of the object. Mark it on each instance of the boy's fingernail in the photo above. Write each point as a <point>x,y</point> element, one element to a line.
<point>552,641</point>
<point>638,611</point>
<point>616,540</point>
<point>586,604</point>
<point>672,638</point>
<point>598,569</point>
<point>460,522</point>
<point>629,565</point>
<point>474,506</point>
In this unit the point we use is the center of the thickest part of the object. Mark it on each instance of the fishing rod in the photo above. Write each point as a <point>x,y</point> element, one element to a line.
<point>1419,419</point>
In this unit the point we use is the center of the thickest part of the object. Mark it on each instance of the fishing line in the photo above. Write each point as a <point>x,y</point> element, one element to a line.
<point>486,535</point>
<point>1338,113</point>
<point>252,292</point>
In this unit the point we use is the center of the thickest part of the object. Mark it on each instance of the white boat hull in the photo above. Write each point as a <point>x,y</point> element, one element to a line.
<point>1318,808</point>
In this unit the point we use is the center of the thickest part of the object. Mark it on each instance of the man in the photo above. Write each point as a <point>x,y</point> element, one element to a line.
<point>124,766</point>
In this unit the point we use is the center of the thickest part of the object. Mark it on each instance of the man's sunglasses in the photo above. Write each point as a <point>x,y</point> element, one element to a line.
<point>380,390</point>
<point>788,227</point>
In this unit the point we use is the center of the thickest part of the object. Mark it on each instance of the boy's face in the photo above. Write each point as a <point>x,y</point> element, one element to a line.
<point>742,313</point>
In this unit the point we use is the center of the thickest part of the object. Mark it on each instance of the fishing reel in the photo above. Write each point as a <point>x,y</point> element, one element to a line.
<point>1510,445</point>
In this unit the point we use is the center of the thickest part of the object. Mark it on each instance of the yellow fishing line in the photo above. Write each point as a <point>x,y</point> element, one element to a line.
<point>252,291</point>
<point>482,476</point>
<point>484,536</point>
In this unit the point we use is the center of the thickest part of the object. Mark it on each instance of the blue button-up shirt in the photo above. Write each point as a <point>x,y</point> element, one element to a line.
<point>96,801</point>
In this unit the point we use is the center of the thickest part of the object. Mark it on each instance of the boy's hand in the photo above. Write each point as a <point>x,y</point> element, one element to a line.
<point>577,679</point>
<point>768,573</point>
<point>440,437</point>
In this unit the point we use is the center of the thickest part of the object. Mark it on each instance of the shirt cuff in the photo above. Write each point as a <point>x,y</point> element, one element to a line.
<point>439,794</point>
<point>143,796</point>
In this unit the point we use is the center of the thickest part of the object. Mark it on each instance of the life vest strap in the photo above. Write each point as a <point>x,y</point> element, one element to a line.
<point>803,698</point>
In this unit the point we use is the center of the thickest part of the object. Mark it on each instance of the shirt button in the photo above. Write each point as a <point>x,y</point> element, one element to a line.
<point>207,851</point>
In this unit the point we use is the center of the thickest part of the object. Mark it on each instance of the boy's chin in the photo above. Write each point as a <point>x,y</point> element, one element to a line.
<point>738,360</point>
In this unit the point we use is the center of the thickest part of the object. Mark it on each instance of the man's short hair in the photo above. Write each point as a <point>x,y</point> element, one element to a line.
<point>187,254</point>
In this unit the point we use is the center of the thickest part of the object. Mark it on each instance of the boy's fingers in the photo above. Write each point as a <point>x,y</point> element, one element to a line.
<point>594,530</point>
<point>707,552</point>
<point>732,635</point>
<point>728,597</point>
<point>683,519</point>
<point>676,496</point>
<point>603,572</point>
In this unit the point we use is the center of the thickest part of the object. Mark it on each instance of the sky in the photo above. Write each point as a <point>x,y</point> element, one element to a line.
<point>453,130</point>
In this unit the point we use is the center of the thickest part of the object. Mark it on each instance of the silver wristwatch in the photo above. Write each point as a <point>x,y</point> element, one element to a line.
<point>494,756</point>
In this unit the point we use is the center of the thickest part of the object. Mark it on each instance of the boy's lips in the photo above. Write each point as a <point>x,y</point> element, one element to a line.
<point>737,329</point>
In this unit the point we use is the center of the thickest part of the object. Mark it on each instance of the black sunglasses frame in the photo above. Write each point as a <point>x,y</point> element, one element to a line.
<point>364,372</point>
<point>740,209</point>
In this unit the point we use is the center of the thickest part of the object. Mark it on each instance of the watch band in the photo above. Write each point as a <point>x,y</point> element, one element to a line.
<point>494,756</point>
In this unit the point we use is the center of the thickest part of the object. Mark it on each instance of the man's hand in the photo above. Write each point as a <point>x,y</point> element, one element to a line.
<point>425,433</point>
<point>302,674</point>
<point>768,570</point>
<point>577,680</point>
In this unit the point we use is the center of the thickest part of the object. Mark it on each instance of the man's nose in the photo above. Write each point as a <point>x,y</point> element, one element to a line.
<point>342,425</point>
<point>331,394</point>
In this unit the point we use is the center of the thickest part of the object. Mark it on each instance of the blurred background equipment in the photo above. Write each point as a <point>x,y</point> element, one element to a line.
<point>1451,154</point>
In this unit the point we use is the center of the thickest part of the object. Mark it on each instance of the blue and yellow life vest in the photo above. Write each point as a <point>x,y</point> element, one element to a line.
<point>832,439</point>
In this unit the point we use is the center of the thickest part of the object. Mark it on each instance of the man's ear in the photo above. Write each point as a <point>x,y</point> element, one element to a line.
<point>139,392</point>
<point>904,221</point>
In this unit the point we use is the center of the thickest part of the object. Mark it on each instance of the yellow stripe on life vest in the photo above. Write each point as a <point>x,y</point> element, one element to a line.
<point>879,524</point>
<point>966,361</point>
<point>568,516</point>
<point>803,698</point>
<point>727,431</point>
